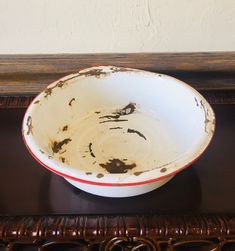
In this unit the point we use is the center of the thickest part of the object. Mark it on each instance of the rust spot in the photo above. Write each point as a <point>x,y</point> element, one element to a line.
<point>57,146</point>
<point>29,124</point>
<point>113,120</point>
<point>71,101</point>
<point>129,109</point>
<point>115,116</point>
<point>88,173</point>
<point>196,101</point>
<point>163,170</point>
<point>117,166</point>
<point>120,69</point>
<point>206,112</point>
<point>62,159</point>
<point>137,132</point>
<point>113,128</point>
<point>99,175</point>
<point>41,151</point>
<point>48,91</point>
<point>137,173</point>
<point>36,102</point>
<point>90,150</point>
<point>60,84</point>
<point>93,72</point>
<point>97,112</point>
<point>65,128</point>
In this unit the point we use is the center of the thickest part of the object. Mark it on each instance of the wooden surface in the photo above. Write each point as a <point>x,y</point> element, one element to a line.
<point>27,188</point>
<point>25,76</point>
<point>193,212</point>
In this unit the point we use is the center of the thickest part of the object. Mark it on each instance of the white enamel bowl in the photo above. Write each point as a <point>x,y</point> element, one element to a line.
<point>117,132</point>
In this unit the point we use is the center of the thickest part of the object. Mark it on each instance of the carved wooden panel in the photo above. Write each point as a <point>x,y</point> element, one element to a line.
<point>139,232</point>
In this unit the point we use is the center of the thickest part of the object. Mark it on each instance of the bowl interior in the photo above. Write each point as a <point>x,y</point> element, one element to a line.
<point>118,125</point>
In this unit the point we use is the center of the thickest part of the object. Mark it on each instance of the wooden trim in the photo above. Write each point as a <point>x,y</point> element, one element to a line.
<point>27,75</point>
<point>86,232</point>
<point>64,63</point>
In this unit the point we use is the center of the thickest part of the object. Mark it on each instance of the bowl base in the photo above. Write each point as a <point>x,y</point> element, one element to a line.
<point>119,191</point>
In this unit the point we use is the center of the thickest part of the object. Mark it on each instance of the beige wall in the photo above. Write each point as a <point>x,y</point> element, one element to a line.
<point>83,26</point>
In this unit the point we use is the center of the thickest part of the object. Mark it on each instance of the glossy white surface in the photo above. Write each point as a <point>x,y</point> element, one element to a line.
<point>120,191</point>
<point>109,125</point>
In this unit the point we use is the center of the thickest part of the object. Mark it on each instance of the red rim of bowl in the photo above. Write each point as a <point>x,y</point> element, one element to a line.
<point>106,183</point>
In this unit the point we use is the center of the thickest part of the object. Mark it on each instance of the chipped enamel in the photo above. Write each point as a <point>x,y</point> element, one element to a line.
<point>117,131</point>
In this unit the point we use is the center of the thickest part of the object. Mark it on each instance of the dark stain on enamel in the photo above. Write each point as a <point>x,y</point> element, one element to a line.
<point>41,151</point>
<point>163,170</point>
<point>116,116</point>
<point>99,175</point>
<point>62,159</point>
<point>60,84</point>
<point>97,112</point>
<point>114,128</point>
<point>36,102</point>
<point>65,128</point>
<point>71,101</point>
<point>90,150</point>
<point>120,69</point>
<point>29,124</point>
<point>48,92</point>
<point>117,166</point>
<point>137,173</point>
<point>88,173</point>
<point>113,120</point>
<point>96,72</point>
<point>57,146</point>
<point>127,110</point>
<point>197,104</point>
<point>206,112</point>
<point>129,130</point>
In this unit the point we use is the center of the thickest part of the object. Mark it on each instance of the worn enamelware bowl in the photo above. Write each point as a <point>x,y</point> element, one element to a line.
<point>117,132</point>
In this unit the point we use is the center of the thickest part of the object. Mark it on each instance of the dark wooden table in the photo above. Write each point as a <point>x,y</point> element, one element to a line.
<point>41,211</point>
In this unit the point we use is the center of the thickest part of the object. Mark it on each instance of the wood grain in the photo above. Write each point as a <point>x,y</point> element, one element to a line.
<point>27,75</point>
<point>120,232</point>
<point>64,63</point>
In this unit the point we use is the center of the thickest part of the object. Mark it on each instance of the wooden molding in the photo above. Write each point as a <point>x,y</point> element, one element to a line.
<point>24,76</point>
<point>153,232</point>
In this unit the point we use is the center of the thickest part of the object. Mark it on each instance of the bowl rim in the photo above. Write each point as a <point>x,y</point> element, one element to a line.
<point>147,181</point>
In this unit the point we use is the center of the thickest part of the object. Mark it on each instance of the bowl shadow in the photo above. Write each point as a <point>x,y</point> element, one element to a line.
<point>181,194</point>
